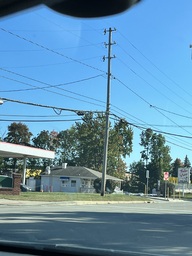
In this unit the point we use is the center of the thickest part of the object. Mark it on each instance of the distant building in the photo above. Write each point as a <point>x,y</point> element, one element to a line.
<point>128,175</point>
<point>72,179</point>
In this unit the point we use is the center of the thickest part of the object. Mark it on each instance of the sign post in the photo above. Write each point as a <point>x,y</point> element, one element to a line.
<point>166,178</point>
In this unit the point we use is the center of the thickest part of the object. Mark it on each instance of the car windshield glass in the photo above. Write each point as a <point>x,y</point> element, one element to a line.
<point>95,131</point>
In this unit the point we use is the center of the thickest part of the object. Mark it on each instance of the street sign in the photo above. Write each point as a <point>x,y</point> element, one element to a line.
<point>166,176</point>
<point>184,175</point>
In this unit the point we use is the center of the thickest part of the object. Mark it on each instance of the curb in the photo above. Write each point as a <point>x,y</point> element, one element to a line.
<point>34,203</point>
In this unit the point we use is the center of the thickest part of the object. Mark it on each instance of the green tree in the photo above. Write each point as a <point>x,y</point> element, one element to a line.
<point>146,137</point>
<point>174,167</point>
<point>83,144</point>
<point>156,154</point>
<point>170,187</point>
<point>110,185</point>
<point>90,138</point>
<point>67,149</point>
<point>18,133</point>
<point>187,162</point>
<point>160,157</point>
<point>44,140</point>
<point>138,179</point>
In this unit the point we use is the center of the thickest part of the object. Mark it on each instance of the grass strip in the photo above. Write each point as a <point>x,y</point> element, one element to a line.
<point>60,196</point>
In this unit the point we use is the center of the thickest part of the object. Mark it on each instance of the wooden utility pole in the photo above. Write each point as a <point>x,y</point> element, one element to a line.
<point>106,139</point>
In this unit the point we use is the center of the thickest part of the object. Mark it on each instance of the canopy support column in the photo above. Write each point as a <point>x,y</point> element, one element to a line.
<point>24,168</point>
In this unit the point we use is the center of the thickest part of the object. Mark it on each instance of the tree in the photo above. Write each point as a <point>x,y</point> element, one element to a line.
<point>18,133</point>
<point>170,187</point>
<point>44,140</point>
<point>187,162</point>
<point>156,155</point>
<point>83,144</point>
<point>67,149</point>
<point>175,165</point>
<point>160,157</point>
<point>146,143</point>
<point>138,179</point>
<point>90,138</point>
<point>110,185</point>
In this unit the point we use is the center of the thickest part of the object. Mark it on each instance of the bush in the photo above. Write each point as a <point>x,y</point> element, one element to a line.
<point>170,187</point>
<point>109,188</point>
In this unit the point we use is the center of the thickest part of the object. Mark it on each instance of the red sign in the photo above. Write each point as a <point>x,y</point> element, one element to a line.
<point>166,175</point>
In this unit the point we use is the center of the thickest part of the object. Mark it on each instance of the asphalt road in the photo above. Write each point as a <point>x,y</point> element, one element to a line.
<point>161,228</point>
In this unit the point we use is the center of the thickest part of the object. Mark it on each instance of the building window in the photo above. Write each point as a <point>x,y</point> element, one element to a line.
<point>64,183</point>
<point>73,183</point>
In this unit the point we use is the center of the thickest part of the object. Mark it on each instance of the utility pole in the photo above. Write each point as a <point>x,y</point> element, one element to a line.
<point>106,139</point>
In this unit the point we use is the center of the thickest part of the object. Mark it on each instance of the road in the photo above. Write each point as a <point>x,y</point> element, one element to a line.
<point>160,228</point>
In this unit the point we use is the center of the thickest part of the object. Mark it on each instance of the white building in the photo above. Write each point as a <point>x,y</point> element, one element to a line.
<point>72,179</point>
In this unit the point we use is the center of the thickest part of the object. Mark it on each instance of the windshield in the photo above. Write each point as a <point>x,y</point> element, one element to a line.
<point>96,130</point>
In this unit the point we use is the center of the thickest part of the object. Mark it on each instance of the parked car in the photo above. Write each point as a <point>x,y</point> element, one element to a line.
<point>25,188</point>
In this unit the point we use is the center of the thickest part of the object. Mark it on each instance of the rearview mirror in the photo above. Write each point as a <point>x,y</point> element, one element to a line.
<point>76,8</point>
<point>92,8</point>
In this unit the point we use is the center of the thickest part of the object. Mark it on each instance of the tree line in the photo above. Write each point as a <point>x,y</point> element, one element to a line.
<point>83,145</point>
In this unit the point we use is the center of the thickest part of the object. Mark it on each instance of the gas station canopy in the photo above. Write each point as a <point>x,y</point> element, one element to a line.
<point>19,151</point>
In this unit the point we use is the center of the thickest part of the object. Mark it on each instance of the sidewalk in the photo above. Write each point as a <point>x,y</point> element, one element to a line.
<point>168,199</point>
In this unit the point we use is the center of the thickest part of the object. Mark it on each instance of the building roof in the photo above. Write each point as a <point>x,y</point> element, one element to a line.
<point>20,151</point>
<point>78,171</point>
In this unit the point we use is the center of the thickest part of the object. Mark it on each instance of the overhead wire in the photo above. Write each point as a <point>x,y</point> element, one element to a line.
<point>50,64</point>
<point>40,121</point>
<point>171,112</point>
<point>147,125</point>
<point>66,30</point>
<point>51,50</point>
<point>142,128</point>
<point>160,92</point>
<point>152,75</point>
<point>154,65</point>
<point>55,86</point>
<point>60,109</point>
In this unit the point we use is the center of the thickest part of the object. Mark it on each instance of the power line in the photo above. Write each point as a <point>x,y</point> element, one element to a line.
<point>173,121</point>
<point>154,65</point>
<point>50,50</point>
<point>161,132</point>
<point>57,110</point>
<point>47,65</point>
<point>48,85</point>
<point>38,116</point>
<point>39,121</point>
<point>151,105</point>
<point>170,112</point>
<point>63,48</point>
<point>157,79</point>
<point>155,130</point>
<point>126,86</point>
<point>135,73</point>
<point>140,127</point>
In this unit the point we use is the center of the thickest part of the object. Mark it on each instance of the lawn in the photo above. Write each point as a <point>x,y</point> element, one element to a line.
<point>60,196</point>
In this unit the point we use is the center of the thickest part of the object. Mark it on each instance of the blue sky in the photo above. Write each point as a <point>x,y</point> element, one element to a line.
<point>153,69</point>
